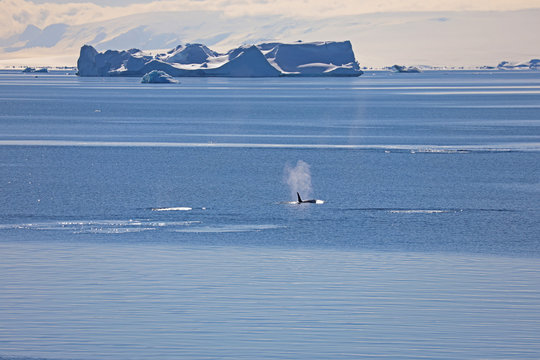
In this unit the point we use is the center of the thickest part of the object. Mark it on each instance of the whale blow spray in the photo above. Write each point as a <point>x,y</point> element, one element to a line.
<point>298,179</point>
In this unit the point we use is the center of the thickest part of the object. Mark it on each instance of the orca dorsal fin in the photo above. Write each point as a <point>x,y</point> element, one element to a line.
<point>299,198</point>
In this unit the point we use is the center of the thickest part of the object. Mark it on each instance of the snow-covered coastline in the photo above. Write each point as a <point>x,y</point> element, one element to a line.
<point>329,58</point>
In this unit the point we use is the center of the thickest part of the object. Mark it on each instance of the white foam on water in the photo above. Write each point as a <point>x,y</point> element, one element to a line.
<point>113,230</point>
<point>99,226</point>
<point>170,223</point>
<point>178,208</point>
<point>319,202</point>
<point>418,211</point>
<point>227,228</point>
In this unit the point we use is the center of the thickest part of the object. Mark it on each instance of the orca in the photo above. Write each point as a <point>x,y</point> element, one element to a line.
<point>300,201</point>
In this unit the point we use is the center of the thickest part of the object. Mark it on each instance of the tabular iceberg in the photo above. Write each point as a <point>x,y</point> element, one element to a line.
<point>264,60</point>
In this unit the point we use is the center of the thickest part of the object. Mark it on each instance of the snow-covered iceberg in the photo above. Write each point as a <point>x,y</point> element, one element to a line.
<point>158,77</point>
<point>34,70</point>
<point>533,64</point>
<point>405,69</point>
<point>264,60</point>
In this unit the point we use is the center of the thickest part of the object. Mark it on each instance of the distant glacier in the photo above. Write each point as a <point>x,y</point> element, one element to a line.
<point>325,58</point>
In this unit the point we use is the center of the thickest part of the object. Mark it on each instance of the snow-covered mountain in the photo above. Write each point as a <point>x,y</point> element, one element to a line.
<point>379,39</point>
<point>263,60</point>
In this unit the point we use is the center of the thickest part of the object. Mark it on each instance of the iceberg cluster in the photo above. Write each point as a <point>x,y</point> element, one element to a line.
<point>264,60</point>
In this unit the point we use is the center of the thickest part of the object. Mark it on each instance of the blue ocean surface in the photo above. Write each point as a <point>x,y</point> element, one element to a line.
<point>158,221</point>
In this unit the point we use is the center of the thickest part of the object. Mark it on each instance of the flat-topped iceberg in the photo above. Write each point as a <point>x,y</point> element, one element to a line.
<point>158,77</point>
<point>264,60</point>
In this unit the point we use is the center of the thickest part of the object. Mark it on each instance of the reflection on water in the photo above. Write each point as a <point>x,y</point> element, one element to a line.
<point>140,301</point>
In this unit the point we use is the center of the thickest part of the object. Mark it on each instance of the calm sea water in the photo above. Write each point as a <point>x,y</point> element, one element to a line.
<point>150,221</point>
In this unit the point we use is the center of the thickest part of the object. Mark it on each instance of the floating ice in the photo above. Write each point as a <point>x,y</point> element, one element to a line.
<point>405,69</point>
<point>328,58</point>
<point>533,64</point>
<point>158,77</point>
<point>33,70</point>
